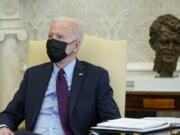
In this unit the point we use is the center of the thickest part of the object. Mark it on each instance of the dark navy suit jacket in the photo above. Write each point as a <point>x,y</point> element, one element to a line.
<point>90,100</point>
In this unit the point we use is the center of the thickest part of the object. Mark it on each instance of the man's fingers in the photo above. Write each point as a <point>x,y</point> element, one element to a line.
<point>6,131</point>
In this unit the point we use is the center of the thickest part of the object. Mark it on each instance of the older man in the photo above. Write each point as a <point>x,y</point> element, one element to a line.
<point>65,96</point>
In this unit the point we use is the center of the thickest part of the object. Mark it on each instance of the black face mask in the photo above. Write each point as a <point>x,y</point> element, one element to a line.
<point>56,50</point>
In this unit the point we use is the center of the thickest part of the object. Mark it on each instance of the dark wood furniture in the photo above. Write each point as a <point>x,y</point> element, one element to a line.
<point>152,101</point>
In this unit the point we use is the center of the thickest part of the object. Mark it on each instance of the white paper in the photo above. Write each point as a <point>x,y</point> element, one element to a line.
<point>132,125</point>
<point>172,120</point>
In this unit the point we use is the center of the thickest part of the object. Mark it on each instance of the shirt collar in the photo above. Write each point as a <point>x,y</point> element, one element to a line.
<point>68,69</point>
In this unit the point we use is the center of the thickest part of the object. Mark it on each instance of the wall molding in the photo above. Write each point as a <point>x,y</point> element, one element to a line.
<point>12,35</point>
<point>11,20</point>
<point>20,34</point>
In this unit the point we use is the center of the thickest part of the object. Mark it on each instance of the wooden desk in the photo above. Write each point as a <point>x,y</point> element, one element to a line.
<point>152,101</point>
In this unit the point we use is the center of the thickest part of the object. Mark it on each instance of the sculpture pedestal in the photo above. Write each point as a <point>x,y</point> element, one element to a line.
<point>157,84</point>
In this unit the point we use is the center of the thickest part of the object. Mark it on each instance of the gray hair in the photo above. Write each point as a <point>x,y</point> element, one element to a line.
<point>77,28</point>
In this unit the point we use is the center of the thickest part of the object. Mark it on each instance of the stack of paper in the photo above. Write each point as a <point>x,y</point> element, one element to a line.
<point>175,122</point>
<point>132,125</point>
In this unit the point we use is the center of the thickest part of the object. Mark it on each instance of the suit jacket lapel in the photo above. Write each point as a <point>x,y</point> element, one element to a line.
<point>77,81</point>
<point>40,88</point>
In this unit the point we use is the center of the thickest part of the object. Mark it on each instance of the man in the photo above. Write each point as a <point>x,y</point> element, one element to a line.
<point>65,96</point>
<point>165,41</point>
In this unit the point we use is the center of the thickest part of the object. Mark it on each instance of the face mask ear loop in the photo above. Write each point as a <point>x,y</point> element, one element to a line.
<point>73,48</point>
<point>72,41</point>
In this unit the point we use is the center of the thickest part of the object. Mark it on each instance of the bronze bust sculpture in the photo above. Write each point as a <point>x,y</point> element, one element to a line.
<point>165,41</point>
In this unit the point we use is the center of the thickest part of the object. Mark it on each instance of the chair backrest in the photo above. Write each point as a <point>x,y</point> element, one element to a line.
<point>108,54</point>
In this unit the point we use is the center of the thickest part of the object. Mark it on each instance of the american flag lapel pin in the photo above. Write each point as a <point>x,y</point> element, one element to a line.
<point>80,74</point>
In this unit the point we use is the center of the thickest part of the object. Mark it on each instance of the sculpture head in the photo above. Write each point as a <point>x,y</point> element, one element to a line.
<point>165,41</point>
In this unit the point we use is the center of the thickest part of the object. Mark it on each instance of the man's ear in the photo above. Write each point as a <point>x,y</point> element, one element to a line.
<point>152,43</point>
<point>77,46</point>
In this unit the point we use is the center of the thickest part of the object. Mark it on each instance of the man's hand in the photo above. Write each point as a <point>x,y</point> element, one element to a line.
<point>5,131</point>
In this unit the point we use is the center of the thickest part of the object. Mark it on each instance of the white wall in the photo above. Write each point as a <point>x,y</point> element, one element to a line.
<point>112,19</point>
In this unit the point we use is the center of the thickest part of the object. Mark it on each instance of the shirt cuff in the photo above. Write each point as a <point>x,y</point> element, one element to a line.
<point>93,133</point>
<point>3,125</point>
